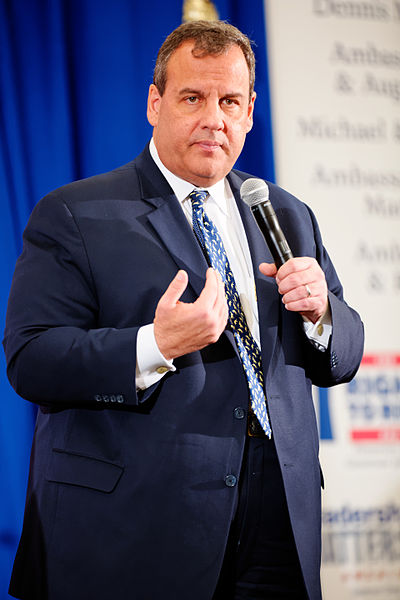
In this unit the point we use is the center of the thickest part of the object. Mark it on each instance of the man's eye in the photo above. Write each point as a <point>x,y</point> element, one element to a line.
<point>229,101</point>
<point>192,99</point>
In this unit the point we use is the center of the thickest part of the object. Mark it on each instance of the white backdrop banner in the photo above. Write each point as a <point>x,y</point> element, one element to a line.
<point>335,92</point>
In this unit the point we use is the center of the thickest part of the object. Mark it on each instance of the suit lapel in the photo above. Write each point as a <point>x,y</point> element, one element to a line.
<point>170,223</point>
<point>174,230</point>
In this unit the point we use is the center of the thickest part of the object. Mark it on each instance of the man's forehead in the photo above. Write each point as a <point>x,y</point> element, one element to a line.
<point>183,63</point>
<point>186,51</point>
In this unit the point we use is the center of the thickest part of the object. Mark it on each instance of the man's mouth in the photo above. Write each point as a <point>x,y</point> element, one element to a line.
<point>208,145</point>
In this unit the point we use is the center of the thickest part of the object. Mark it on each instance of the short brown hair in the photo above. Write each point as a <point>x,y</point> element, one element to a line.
<point>209,37</point>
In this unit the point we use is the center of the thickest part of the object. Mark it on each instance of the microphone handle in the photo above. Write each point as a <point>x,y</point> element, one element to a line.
<point>267,221</point>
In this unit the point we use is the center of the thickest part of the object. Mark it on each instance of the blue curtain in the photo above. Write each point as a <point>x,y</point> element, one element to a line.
<point>74,76</point>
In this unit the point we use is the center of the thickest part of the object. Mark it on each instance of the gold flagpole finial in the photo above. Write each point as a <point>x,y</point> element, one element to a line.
<point>199,10</point>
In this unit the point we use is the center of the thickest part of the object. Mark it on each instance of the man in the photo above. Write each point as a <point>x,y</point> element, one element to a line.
<point>175,481</point>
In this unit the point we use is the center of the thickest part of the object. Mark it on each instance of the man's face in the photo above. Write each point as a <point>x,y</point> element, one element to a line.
<point>201,121</point>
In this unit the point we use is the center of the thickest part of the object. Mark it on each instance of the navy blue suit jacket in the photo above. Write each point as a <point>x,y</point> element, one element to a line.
<point>127,495</point>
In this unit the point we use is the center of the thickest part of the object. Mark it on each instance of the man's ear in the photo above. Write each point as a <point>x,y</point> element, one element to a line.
<point>153,105</point>
<point>250,111</point>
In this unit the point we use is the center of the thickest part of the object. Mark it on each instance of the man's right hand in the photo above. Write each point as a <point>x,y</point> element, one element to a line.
<point>180,327</point>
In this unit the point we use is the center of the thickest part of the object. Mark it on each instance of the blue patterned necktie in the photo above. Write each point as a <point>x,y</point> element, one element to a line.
<point>211,242</point>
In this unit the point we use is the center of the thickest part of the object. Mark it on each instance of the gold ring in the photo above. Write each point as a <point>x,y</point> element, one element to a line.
<point>307,290</point>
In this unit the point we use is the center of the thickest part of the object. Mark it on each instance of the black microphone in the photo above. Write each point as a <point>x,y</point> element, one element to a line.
<point>255,193</point>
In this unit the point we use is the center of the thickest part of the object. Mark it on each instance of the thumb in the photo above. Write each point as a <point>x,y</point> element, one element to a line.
<point>268,269</point>
<point>175,289</point>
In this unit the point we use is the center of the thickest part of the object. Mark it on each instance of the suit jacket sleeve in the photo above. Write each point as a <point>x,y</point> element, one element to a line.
<point>343,356</point>
<point>55,350</point>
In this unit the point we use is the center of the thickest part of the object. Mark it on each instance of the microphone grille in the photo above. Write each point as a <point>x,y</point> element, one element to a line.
<point>254,191</point>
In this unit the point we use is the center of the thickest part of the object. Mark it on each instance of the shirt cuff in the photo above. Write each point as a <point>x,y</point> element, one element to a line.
<point>151,365</point>
<point>319,333</point>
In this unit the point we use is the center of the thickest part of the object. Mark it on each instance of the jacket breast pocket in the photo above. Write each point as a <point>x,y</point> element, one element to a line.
<point>72,468</point>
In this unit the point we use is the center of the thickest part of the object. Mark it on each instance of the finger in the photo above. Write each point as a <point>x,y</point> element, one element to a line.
<point>303,292</point>
<point>312,308</point>
<point>209,293</point>
<point>221,297</point>
<point>221,304</point>
<point>212,300</point>
<point>294,266</point>
<point>268,269</point>
<point>175,289</point>
<point>300,277</point>
<point>308,299</point>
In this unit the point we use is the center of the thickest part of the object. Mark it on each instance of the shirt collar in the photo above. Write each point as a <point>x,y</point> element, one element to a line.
<point>219,192</point>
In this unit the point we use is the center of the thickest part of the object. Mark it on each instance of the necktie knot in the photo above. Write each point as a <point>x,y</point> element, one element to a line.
<point>197,198</point>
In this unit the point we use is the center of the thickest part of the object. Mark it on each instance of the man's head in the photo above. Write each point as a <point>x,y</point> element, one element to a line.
<point>201,101</point>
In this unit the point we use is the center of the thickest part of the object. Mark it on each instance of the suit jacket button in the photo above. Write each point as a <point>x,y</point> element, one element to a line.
<point>230,480</point>
<point>239,413</point>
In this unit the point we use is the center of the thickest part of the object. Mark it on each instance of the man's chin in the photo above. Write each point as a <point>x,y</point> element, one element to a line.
<point>208,173</point>
<point>206,179</point>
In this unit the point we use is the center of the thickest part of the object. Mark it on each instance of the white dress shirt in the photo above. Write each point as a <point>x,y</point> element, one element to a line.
<point>221,207</point>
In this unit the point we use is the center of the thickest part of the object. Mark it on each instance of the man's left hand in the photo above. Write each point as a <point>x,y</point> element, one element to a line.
<point>302,283</point>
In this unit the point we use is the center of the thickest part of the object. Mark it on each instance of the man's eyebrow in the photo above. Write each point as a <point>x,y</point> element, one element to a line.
<point>195,92</point>
<point>233,95</point>
<point>190,91</point>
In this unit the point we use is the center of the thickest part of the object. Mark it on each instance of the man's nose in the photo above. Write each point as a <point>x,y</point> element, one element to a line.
<point>212,116</point>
